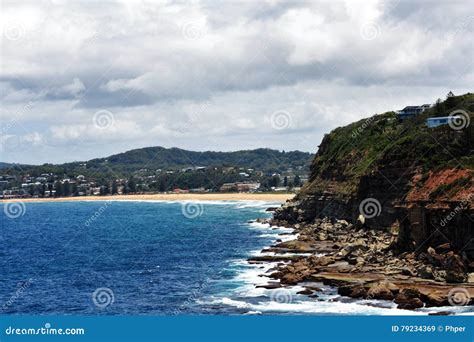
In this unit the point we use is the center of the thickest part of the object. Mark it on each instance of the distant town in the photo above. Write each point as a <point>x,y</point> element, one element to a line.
<point>151,181</point>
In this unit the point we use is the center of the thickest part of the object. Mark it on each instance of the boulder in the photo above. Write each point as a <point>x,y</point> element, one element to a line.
<point>357,245</point>
<point>444,248</point>
<point>358,291</point>
<point>321,261</point>
<point>344,290</point>
<point>353,291</point>
<point>290,278</point>
<point>322,236</point>
<point>425,272</point>
<point>270,286</point>
<point>455,276</point>
<point>470,277</point>
<point>435,299</point>
<point>455,268</point>
<point>381,290</point>
<point>411,304</point>
<point>305,292</point>
<point>408,272</point>
<point>431,251</point>
<point>440,275</point>
<point>409,299</point>
<point>343,223</point>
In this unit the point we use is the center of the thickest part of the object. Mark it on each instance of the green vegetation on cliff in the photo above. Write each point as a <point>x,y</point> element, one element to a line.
<point>382,142</point>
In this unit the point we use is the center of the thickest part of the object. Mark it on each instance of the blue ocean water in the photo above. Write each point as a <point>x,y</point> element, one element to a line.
<point>155,257</point>
<point>148,258</point>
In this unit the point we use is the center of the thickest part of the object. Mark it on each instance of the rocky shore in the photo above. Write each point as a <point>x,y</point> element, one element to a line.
<point>364,263</point>
<point>387,213</point>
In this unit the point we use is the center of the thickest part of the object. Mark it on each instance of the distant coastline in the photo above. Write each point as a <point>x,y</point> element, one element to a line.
<point>277,197</point>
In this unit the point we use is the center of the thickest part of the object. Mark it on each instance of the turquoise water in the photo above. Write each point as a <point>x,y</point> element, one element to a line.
<point>148,258</point>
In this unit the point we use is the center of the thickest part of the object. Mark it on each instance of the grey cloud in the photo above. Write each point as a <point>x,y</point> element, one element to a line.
<point>148,63</point>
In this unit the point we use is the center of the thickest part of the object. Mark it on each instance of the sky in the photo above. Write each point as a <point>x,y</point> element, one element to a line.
<point>87,79</point>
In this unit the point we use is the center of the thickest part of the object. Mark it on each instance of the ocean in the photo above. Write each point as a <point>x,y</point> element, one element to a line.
<point>151,258</point>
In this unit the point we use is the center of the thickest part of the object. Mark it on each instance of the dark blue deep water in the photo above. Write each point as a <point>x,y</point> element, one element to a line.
<point>150,258</point>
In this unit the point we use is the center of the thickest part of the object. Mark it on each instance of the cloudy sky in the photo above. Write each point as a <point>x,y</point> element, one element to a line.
<point>85,79</point>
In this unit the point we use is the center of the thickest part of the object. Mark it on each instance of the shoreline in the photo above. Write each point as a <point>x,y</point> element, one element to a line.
<point>279,197</point>
<point>319,255</point>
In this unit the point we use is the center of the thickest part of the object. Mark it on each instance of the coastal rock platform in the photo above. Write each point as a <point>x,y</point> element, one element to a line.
<point>365,264</point>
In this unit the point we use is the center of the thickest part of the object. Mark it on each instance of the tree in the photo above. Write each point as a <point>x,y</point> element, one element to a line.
<point>75,190</point>
<point>66,188</point>
<point>162,185</point>
<point>285,181</point>
<point>297,181</point>
<point>451,100</point>
<point>59,189</point>
<point>274,181</point>
<point>439,107</point>
<point>132,186</point>
<point>114,188</point>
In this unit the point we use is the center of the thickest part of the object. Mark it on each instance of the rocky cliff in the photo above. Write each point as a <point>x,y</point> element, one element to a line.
<point>400,177</point>
<point>387,213</point>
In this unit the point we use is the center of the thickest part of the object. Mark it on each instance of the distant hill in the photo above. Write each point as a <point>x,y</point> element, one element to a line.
<point>152,158</point>
<point>8,165</point>
<point>5,165</point>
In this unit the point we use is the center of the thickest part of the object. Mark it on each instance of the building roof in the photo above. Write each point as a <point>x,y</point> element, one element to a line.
<point>444,118</point>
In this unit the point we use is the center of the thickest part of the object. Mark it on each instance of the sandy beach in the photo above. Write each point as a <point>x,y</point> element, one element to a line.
<point>167,197</point>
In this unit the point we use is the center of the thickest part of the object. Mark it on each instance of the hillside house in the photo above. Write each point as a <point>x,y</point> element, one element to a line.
<point>442,120</point>
<point>411,111</point>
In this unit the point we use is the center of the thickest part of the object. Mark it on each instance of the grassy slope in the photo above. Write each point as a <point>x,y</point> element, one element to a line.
<point>381,142</point>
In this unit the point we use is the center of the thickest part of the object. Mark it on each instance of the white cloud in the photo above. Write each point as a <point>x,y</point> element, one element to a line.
<point>74,88</point>
<point>206,75</point>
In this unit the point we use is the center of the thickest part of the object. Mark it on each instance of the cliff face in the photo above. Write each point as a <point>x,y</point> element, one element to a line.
<point>396,175</point>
